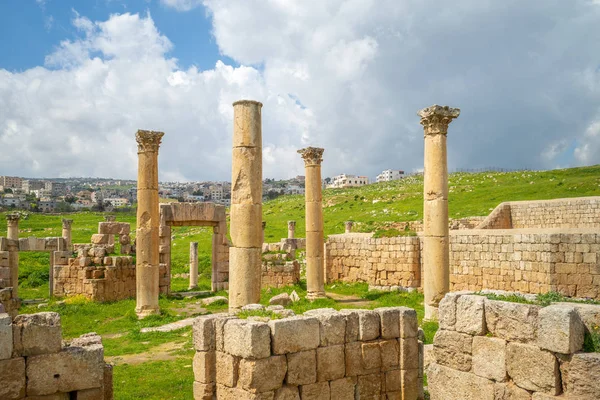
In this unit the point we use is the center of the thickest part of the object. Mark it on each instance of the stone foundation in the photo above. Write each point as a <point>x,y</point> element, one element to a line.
<point>324,354</point>
<point>496,350</point>
<point>34,364</point>
<point>279,273</point>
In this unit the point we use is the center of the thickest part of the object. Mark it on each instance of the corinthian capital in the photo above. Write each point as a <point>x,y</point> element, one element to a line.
<point>312,155</point>
<point>435,119</point>
<point>66,223</point>
<point>13,219</point>
<point>148,140</point>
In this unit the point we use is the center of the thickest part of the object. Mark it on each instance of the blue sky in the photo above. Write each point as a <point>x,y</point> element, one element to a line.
<point>78,78</point>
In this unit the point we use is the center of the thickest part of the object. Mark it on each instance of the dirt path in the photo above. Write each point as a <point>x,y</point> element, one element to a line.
<point>349,300</point>
<point>163,352</point>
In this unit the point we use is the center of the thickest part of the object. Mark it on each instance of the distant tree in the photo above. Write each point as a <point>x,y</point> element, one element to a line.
<point>70,199</point>
<point>8,190</point>
<point>63,207</point>
<point>327,180</point>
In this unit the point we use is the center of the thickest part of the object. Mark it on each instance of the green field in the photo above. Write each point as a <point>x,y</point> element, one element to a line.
<point>165,372</point>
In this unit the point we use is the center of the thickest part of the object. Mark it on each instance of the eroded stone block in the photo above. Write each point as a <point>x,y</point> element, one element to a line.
<point>343,389</point>
<point>12,378</point>
<point>39,333</point>
<point>533,369</point>
<point>470,314</point>
<point>247,339</point>
<point>302,367</point>
<point>489,358</point>
<point>512,321</point>
<point>453,349</point>
<point>331,363</point>
<point>560,329</point>
<point>584,375</point>
<point>315,391</point>
<point>390,322</point>
<point>291,335</point>
<point>445,383</point>
<point>204,366</point>
<point>227,369</point>
<point>6,336</point>
<point>262,375</point>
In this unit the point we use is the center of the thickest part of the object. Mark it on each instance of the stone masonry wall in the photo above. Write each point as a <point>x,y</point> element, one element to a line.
<point>379,261</point>
<point>346,355</point>
<point>496,350</point>
<point>34,364</point>
<point>280,273</point>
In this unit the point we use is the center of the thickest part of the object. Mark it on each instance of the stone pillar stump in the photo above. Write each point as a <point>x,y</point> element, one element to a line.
<point>193,265</point>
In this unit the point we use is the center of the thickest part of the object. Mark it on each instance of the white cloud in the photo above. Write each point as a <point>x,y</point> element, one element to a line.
<point>182,5</point>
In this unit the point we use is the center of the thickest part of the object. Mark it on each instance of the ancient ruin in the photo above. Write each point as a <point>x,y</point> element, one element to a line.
<point>246,205</point>
<point>193,265</point>
<point>147,235</point>
<point>315,279</point>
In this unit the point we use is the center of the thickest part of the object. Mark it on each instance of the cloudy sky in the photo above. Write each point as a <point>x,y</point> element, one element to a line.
<point>78,78</point>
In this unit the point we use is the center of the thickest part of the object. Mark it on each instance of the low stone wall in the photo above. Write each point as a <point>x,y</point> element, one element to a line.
<point>34,364</point>
<point>579,212</point>
<point>280,274</point>
<point>355,257</point>
<point>351,354</point>
<point>496,350</point>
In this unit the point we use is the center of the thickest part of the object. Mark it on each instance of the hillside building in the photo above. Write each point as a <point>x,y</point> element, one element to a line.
<point>390,175</point>
<point>10,182</point>
<point>345,180</point>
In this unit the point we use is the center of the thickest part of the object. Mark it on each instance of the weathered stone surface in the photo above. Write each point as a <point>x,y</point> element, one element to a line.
<point>6,336</point>
<point>368,325</point>
<point>287,393</point>
<point>449,384</point>
<point>390,322</point>
<point>560,329</point>
<point>315,391</point>
<point>247,339</point>
<point>39,333</point>
<point>512,321</point>
<point>533,369</point>
<point>351,325</point>
<point>61,372</point>
<point>470,314</point>
<point>489,358</point>
<point>282,299</point>
<point>294,334</point>
<point>409,326</point>
<point>453,349</point>
<point>343,389</point>
<point>12,378</point>
<point>227,369</point>
<point>330,363</point>
<point>203,391</point>
<point>510,391</point>
<point>369,386</point>
<point>390,354</point>
<point>219,324</point>
<point>409,353</point>
<point>584,375</point>
<point>393,381</point>
<point>262,375</point>
<point>355,365</point>
<point>371,356</point>
<point>90,394</point>
<point>411,383</point>
<point>214,299</point>
<point>204,366</point>
<point>447,311</point>
<point>227,393</point>
<point>332,328</point>
<point>302,367</point>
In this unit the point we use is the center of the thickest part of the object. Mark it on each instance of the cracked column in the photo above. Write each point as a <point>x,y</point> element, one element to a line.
<point>436,245</point>
<point>348,226</point>
<point>315,276</point>
<point>291,229</point>
<point>66,233</point>
<point>147,240</point>
<point>245,256</point>
<point>193,265</point>
<point>12,233</point>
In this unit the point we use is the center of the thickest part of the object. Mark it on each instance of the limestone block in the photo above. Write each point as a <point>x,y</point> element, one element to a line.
<point>489,358</point>
<point>247,339</point>
<point>99,238</point>
<point>449,384</point>
<point>510,391</point>
<point>390,354</point>
<point>332,328</point>
<point>371,356</point>
<point>343,389</point>
<point>74,368</point>
<point>331,363</point>
<point>560,329</point>
<point>583,377</point>
<point>409,353</point>
<point>369,386</point>
<point>90,394</point>
<point>409,326</point>
<point>352,326</point>
<point>470,314</point>
<point>302,367</point>
<point>6,336</point>
<point>368,325</point>
<point>203,391</point>
<point>204,366</point>
<point>512,321</point>
<point>245,226</point>
<point>315,391</point>
<point>390,322</point>
<point>219,326</point>
<point>288,393</point>
<point>39,333</point>
<point>227,369</point>
<point>533,369</point>
<point>12,378</point>
<point>262,375</point>
<point>246,187</point>
<point>411,383</point>
<point>291,335</point>
<point>355,363</point>
<point>453,349</point>
<point>282,299</point>
<point>393,381</point>
<point>227,393</point>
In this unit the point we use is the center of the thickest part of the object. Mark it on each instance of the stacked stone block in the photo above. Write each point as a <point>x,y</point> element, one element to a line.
<point>108,230</point>
<point>34,364</point>
<point>495,350</point>
<point>279,272</point>
<point>324,354</point>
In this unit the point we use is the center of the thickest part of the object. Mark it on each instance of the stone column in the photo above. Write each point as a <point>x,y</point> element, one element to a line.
<point>12,233</point>
<point>348,226</point>
<point>111,238</point>
<point>264,225</point>
<point>147,233</point>
<point>315,277</point>
<point>291,229</point>
<point>193,265</point>
<point>246,205</point>
<point>66,233</point>
<point>436,245</point>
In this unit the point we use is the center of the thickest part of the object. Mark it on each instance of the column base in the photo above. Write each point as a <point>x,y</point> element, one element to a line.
<point>147,312</point>
<point>192,287</point>
<point>431,313</point>
<point>311,296</point>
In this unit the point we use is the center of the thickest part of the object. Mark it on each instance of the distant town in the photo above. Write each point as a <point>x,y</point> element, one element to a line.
<point>97,194</point>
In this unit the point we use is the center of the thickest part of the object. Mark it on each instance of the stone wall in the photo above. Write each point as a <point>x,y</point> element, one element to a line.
<point>580,212</point>
<point>324,354</point>
<point>34,364</point>
<point>495,350</point>
<point>359,257</point>
<point>279,272</point>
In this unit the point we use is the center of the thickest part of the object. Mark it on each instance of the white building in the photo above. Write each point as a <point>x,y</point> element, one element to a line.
<point>294,189</point>
<point>390,175</point>
<point>216,193</point>
<point>345,180</point>
<point>117,202</point>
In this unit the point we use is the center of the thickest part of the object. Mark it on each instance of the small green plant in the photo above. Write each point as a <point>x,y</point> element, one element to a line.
<point>258,313</point>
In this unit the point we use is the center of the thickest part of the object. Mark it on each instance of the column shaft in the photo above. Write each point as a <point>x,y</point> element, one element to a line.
<point>193,265</point>
<point>291,229</point>
<point>66,233</point>
<point>12,232</point>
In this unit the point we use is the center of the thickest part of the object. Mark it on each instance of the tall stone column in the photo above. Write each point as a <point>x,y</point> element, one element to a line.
<point>436,245</point>
<point>66,233</point>
<point>246,205</point>
<point>147,233</point>
<point>348,226</point>
<point>264,225</point>
<point>315,276</point>
<point>193,265</point>
<point>291,229</point>
<point>12,233</point>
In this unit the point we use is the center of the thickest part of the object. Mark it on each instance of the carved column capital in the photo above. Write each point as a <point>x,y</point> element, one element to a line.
<point>148,141</point>
<point>312,155</point>
<point>291,224</point>
<point>66,223</point>
<point>435,119</point>
<point>12,219</point>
